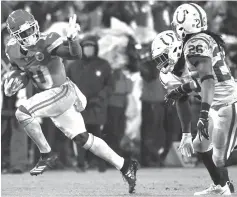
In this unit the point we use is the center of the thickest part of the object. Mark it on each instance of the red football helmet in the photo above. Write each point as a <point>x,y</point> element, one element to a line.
<point>23,27</point>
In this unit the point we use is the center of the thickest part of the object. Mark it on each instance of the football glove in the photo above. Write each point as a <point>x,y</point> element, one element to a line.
<point>12,86</point>
<point>174,95</point>
<point>202,127</point>
<point>169,101</point>
<point>186,145</point>
<point>73,28</point>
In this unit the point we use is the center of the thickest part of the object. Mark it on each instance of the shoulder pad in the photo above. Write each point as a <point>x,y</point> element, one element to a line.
<point>198,45</point>
<point>53,40</point>
<point>200,38</point>
<point>12,49</point>
<point>11,42</point>
<point>51,37</point>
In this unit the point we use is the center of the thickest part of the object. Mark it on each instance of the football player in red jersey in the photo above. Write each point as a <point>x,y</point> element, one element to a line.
<point>204,53</point>
<point>40,57</point>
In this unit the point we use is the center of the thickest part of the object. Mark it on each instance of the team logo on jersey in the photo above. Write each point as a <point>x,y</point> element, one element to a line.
<point>39,56</point>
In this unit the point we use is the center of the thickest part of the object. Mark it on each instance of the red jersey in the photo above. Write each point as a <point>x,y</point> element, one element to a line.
<point>42,67</point>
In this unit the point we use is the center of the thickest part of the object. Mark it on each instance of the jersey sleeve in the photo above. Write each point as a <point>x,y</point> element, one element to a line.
<point>198,46</point>
<point>53,41</point>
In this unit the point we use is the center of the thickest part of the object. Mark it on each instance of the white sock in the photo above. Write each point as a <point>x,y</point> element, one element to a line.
<point>101,149</point>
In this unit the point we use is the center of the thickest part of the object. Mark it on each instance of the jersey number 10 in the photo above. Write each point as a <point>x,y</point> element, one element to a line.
<point>43,78</point>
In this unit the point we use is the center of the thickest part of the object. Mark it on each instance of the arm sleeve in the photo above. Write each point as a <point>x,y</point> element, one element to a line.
<point>59,46</point>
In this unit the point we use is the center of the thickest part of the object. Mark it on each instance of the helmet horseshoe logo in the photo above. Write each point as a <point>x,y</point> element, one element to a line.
<point>171,36</point>
<point>184,17</point>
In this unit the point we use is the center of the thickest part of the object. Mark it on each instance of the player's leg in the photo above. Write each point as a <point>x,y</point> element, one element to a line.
<point>219,176</point>
<point>72,124</point>
<point>32,128</point>
<point>224,136</point>
<point>44,104</point>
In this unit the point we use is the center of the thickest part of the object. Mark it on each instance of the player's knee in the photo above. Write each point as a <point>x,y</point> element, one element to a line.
<point>201,146</point>
<point>219,156</point>
<point>23,115</point>
<point>218,161</point>
<point>84,139</point>
<point>197,146</point>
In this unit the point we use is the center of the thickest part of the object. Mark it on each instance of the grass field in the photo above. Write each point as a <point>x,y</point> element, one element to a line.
<point>151,182</point>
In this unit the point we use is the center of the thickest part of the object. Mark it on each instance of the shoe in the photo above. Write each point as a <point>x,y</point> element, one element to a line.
<point>215,190</point>
<point>130,175</point>
<point>44,164</point>
<point>231,186</point>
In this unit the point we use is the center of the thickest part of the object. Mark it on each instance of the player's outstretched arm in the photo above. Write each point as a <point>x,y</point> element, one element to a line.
<point>69,48</point>
<point>72,37</point>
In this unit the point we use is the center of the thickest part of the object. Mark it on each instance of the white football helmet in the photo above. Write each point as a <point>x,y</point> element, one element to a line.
<point>189,18</point>
<point>166,49</point>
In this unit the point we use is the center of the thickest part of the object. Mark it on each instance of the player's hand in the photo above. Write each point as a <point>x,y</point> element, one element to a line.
<point>169,101</point>
<point>73,28</point>
<point>173,95</point>
<point>186,145</point>
<point>12,86</point>
<point>202,127</point>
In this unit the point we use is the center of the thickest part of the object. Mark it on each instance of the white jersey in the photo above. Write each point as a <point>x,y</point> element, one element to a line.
<point>225,86</point>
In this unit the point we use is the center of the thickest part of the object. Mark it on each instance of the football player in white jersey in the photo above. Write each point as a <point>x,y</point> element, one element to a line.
<point>179,82</point>
<point>166,52</point>
<point>204,53</point>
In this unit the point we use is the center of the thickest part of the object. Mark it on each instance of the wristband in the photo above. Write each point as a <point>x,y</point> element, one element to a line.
<point>73,38</point>
<point>186,135</point>
<point>207,77</point>
<point>185,88</point>
<point>205,107</point>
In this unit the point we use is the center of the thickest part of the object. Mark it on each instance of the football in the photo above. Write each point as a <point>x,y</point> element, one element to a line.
<point>19,77</point>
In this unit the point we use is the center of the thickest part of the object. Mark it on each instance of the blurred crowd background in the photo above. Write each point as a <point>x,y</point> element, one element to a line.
<point>125,97</point>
